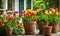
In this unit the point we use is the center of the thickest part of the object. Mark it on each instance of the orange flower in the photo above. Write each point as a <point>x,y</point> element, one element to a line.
<point>51,12</point>
<point>2,25</point>
<point>5,15</point>
<point>20,24</point>
<point>39,10</point>
<point>52,9</point>
<point>35,19</point>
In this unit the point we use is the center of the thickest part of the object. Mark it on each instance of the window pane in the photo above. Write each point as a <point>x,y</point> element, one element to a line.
<point>9,4</point>
<point>1,4</point>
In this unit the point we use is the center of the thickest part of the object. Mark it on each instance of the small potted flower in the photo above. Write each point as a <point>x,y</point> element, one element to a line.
<point>47,31</point>
<point>54,19</point>
<point>42,20</point>
<point>10,21</point>
<point>28,21</point>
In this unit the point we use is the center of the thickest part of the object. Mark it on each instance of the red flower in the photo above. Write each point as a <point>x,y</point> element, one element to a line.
<point>0,22</point>
<point>20,15</point>
<point>20,24</point>
<point>51,9</point>
<point>15,12</point>
<point>23,13</point>
<point>0,13</point>
<point>11,18</point>
<point>7,17</point>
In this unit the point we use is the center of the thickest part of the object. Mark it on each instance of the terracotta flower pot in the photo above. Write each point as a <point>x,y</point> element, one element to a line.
<point>41,26</point>
<point>9,31</point>
<point>54,26</point>
<point>47,31</point>
<point>29,27</point>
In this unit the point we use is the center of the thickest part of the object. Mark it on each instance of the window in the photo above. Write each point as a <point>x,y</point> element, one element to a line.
<point>10,5</point>
<point>1,5</point>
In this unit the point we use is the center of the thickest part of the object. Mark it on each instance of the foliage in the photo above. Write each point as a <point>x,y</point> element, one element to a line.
<point>45,4</point>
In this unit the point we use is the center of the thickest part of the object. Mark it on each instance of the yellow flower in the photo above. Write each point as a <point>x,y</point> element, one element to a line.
<point>39,10</point>
<point>5,21</point>
<point>2,25</point>
<point>35,12</point>
<point>29,10</point>
<point>57,13</point>
<point>46,12</point>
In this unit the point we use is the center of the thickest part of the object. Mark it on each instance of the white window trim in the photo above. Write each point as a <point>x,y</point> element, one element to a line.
<point>5,6</point>
<point>15,5</point>
<point>32,4</point>
<point>24,4</point>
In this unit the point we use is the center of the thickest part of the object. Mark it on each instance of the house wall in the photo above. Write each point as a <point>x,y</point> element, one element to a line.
<point>18,5</point>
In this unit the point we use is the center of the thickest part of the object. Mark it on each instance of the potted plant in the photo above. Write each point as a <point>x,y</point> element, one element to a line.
<point>42,20</point>
<point>10,21</point>
<point>29,21</point>
<point>54,19</point>
<point>47,31</point>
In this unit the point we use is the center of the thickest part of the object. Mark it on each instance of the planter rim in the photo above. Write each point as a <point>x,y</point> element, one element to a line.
<point>29,22</point>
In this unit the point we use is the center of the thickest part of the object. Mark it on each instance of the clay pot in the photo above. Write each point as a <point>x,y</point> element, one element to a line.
<point>47,31</point>
<point>9,31</point>
<point>29,27</point>
<point>54,26</point>
<point>41,26</point>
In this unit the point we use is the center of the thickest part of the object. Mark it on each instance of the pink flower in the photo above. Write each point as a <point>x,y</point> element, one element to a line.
<point>23,13</point>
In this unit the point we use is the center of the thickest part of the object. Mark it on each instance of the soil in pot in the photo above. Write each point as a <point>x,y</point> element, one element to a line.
<point>47,31</point>
<point>41,26</point>
<point>29,27</point>
<point>54,26</point>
